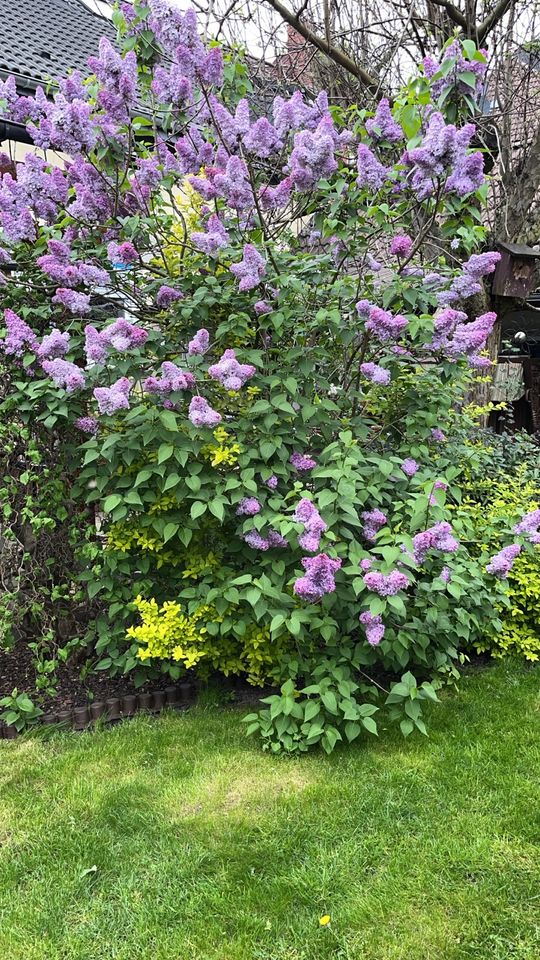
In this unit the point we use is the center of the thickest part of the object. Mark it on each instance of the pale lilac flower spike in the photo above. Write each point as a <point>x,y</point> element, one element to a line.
<point>201,413</point>
<point>199,344</point>
<point>114,398</point>
<point>409,467</point>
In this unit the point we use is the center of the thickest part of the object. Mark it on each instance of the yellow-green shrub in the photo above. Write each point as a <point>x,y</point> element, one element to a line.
<point>169,632</point>
<point>494,505</point>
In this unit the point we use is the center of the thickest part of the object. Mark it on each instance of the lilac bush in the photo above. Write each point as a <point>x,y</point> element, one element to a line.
<point>262,430</point>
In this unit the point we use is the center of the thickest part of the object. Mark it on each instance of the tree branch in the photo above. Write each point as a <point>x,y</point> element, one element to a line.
<point>453,13</point>
<point>492,19</point>
<point>332,52</point>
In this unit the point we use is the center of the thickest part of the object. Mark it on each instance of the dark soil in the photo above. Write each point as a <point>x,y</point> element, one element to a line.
<point>17,670</point>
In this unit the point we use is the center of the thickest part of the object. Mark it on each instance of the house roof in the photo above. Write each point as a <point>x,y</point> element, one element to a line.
<point>40,39</point>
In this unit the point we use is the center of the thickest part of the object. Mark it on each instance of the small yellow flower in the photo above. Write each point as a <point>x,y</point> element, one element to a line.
<point>324,921</point>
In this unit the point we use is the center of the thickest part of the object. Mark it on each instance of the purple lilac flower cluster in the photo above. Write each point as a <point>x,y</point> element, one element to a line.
<point>114,398</point>
<point>248,507</point>
<point>401,245</point>
<point>302,462</point>
<point>386,584</point>
<point>229,372</point>
<point>307,514</point>
<point>501,564</point>
<point>213,238</point>
<point>383,126</point>
<point>318,579</point>
<point>87,425</point>
<point>166,296</point>
<point>54,344</point>
<point>201,413</point>
<point>375,373</point>
<point>65,374</point>
<point>273,539</point>
<point>381,323</point>
<point>443,157</point>
<point>438,537</point>
<point>199,344</point>
<point>528,525</point>
<point>374,520</point>
<point>172,379</point>
<point>409,467</point>
<point>251,268</point>
<point>374,626</point>
<point>19,336</point>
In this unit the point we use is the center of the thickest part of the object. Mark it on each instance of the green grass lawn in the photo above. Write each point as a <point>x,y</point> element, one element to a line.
<point>206,849</point>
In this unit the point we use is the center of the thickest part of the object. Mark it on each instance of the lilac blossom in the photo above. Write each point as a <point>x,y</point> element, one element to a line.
<point>255,540</point>
<point>114,398</point>
<point>275,539</point>
<point>201,413</point>
<point>262,307</point>
<point>122,253</point>
<point>386,584</point>
<point>172,379</point>
<point>95,347</point>
<point>262,139</point>
<point>248,507</point>
<point>374,520</point>
<point>251,268</point>
<point>409,467</point>
<point>19,336</point>
<point>501,564</point>
<point>123,335</point>
<point>272,197</point>
<point>307,514</point>
<point>229,372</point>
<point>318,579</point>
<point>438,537</point>
<point>65,374</point>
<point>528,524</point>
<point>166,296</point>
<point>87,425</point>
<point>366,564</point>
<point>401,245</point>
<point>383,126</point>
<point>199,344</point>
<point>233,184</point>
<point>371,173</point>
<point>481,264</point>
<point>302,462</point>
<point>272,482</point>
<point>438,435</point>
<point>446,575</point>
<point>54,344</point>
<point>213,239</point>
<point>312,156</point>
<point>77,303</point>
<point>374,627</point>
<point>384,325</point>
<point>375,373</point>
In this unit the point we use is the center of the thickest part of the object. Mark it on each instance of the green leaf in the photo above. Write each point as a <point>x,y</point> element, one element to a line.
<point>329,700</point>
<point>165,451</point>
<point>112,501</point>
<point>169,531</point>
<point>217,508</point>
<point>311,710</point>
<point>370,725</point>
<point>169,420</point>
<point>352,730</point>
<point>197,509</point>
